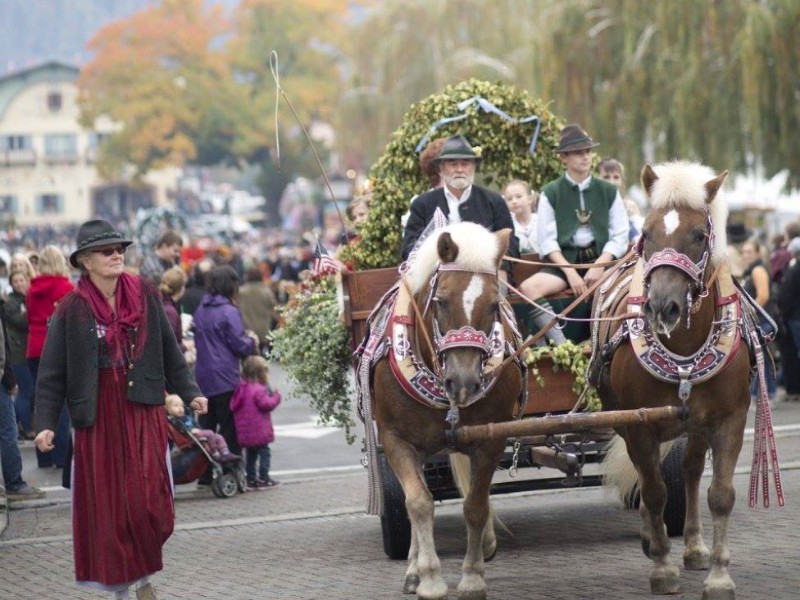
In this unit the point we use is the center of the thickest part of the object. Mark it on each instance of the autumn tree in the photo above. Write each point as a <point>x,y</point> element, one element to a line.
<point>162,77</point>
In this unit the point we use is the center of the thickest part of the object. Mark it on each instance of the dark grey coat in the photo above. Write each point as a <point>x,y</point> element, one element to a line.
<point>69,366</point>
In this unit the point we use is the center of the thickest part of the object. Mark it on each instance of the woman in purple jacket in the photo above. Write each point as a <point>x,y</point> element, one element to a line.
<point>252,403</point>
<point>221,341</point>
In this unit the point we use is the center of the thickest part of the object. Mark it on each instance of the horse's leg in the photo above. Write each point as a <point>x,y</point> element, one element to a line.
<point>476,514</point>
<point>424,573</point>
<point>696,554</point>
<point>726,444</point>
<point>664,578</point>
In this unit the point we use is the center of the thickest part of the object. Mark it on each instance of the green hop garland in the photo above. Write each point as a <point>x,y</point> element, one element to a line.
<point>397,178</point>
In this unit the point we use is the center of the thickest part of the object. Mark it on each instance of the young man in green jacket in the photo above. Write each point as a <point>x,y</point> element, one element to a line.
<point>580,220</point>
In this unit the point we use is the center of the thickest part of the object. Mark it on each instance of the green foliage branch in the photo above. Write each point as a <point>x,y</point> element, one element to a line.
<point>397,178</point>
<point>314,347</point>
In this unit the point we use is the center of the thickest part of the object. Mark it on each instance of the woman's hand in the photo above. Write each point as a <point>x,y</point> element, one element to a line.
<point>199,405</point>
<point>44,440</point>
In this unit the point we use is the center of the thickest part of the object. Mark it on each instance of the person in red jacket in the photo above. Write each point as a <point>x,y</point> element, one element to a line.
<point>45,292</point>
<point>251,404</point>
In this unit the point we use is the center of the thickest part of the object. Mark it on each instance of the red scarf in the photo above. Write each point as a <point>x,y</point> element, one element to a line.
<point>131,313</point>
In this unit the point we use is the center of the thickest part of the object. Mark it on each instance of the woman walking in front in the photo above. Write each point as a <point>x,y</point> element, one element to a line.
<point>108,354</point>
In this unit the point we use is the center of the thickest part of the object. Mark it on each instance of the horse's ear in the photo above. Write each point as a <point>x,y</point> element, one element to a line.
<point>649,177</point>
<point>447,248</point>
<point>502,242</point>
<point>712,187</point>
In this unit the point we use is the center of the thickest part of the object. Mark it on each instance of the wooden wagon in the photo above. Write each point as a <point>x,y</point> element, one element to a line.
<point>554,451</point>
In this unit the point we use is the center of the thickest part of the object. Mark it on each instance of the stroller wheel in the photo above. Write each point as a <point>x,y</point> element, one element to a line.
<point>224,486</point>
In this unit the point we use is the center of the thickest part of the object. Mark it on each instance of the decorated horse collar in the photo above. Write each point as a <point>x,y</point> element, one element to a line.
<point>720,345</point>
<point>416,378</point>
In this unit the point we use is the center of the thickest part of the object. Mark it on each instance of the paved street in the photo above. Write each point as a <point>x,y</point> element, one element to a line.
<point>309,538</point>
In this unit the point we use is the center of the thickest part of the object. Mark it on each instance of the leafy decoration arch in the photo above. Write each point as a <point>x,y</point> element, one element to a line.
<point>396,176</point>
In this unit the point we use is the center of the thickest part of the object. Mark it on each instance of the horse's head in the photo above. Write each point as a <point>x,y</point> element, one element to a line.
<point>678,239</point>
<point>462,301</point>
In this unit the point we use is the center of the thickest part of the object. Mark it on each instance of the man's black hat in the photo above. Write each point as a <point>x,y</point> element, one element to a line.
<point>456,147</point>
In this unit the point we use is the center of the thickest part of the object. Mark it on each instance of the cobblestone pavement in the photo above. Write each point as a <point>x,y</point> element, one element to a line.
<point>310,539</point>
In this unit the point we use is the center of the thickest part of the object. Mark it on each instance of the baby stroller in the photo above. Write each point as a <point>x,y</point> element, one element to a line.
<point>190,459</point>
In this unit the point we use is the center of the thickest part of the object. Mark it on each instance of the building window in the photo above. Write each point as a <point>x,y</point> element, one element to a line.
<point>49,204</point>
<point>60,145</point>
<point>16,142</point>
<point>96,138</point>
<point>54,101</point>
<point>8,205</point>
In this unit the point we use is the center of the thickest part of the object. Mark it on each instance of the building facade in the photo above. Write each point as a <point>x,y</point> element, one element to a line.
<point>48,174</point>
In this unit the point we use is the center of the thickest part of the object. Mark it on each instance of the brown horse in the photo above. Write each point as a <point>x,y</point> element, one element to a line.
<point>455,350</point>
<point>683,348</point>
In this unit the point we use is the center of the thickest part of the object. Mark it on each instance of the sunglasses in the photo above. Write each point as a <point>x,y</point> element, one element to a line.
<point>110,250</point>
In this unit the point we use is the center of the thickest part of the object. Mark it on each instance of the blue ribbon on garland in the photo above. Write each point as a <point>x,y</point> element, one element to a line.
<point>488,107</point>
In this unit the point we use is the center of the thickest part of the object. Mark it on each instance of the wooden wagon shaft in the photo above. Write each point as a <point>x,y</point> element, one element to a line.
<point>567,423</point>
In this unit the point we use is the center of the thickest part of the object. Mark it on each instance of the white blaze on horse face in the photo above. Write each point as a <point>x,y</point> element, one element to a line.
<point>471,294</point>
<point>671,222</point>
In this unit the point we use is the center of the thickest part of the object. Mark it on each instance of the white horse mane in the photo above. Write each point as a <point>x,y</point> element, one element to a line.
<point>478,249</point>
<point>682,184</point>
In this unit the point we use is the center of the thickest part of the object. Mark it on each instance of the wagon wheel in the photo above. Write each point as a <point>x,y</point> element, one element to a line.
<point>224,486</point>
<point>395,526</point>
<point>672,472</point>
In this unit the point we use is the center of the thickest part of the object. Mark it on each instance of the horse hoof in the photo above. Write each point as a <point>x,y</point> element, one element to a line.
<point>666,581</point>
<point>719,593</point>
<point>411,584</point>
<point>697,561</point>
<point>472,595</point>
<point>432,590</point>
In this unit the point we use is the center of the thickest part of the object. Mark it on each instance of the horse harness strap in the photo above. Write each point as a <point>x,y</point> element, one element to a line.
<point>712,358</point>
<point>416,378</point>
<point>685,371</point>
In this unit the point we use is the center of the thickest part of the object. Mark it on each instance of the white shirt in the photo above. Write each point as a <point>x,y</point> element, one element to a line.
<point>453,203</point>
<point>618,225</point>
<point>528,235</point>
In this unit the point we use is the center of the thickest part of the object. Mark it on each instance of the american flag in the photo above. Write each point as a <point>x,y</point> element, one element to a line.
<point>324,263</point>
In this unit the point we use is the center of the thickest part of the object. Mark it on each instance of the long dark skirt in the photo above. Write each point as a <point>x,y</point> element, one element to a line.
<point>122,509</point>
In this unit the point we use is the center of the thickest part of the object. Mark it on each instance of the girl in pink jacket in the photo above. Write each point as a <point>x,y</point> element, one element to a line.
<point>251,404</point>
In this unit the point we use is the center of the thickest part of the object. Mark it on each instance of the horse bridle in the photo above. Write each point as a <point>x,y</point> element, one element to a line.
<point>463,337</point>
<point>669,257</point>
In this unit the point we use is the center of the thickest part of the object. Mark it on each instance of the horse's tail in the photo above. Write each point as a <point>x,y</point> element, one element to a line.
<point>460,467</point>
<point>462,476</point>
<point>619,472</point>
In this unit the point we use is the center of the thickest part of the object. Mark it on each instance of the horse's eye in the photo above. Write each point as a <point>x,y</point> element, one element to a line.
<point>699,236</point>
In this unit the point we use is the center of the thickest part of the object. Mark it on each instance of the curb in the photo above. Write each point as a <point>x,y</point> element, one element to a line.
<point>3,513</point>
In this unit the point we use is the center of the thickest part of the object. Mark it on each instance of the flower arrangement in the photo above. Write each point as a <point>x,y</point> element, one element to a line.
<point>570,357</point>
<point>314,347</point>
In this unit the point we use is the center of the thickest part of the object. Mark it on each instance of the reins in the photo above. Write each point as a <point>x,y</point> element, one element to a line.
<point>421,328</point>
<point>536,337</point>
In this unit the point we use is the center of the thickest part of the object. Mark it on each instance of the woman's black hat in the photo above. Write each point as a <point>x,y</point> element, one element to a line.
<point>94,234</point>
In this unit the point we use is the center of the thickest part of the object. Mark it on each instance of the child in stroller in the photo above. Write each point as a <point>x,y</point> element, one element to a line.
<point>196,450</point>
